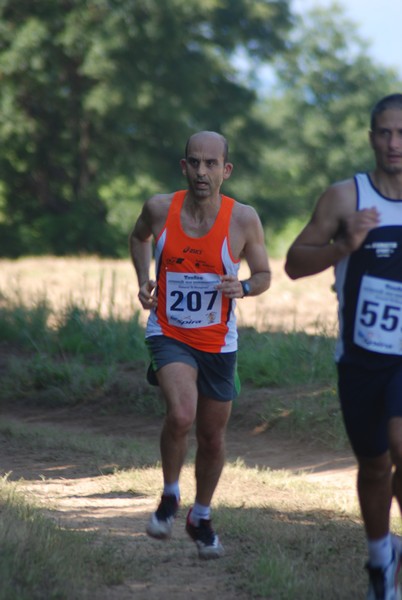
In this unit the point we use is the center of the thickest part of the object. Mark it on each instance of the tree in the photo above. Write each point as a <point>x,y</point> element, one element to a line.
<point>319,116</point>
<point>108,90</point>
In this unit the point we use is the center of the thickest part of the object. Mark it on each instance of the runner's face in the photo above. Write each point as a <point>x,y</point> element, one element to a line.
<point>386,141</point>
<point>204,167</point>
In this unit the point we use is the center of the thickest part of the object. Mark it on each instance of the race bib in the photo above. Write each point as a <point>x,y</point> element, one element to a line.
<point>192,299</point>
<point>378,323</point>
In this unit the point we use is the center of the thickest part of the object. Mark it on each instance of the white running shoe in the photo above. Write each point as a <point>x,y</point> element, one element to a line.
<point>384,582</point>
<point>204,536</point>
<point>161,522</point>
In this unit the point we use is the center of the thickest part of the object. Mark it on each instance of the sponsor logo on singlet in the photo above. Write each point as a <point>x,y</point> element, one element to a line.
<point>191,250</point>
<point>382,249</point>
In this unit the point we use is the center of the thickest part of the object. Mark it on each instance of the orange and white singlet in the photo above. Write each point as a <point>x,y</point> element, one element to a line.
<point>188,269</point>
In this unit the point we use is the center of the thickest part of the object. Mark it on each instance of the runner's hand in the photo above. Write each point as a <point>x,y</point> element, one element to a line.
<point>146,296</point>
<point>230,287</point>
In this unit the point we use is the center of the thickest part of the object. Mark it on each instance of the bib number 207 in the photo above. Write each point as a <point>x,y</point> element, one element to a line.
<point>192,301</point>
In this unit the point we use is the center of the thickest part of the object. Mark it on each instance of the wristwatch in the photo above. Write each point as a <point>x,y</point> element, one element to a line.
<point>246,288</point>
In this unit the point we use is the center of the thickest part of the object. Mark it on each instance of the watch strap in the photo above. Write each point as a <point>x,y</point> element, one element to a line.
<point>246,288</point>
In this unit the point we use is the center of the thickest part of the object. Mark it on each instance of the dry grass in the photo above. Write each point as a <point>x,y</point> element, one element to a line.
<point>110,285</point>
<point>289,533</point>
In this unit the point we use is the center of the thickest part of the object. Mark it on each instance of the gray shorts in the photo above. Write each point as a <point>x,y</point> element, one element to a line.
<point>217,373</point>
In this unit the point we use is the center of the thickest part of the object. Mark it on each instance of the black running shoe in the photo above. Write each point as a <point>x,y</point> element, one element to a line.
<point>161,522</point>
<point>205,538</point>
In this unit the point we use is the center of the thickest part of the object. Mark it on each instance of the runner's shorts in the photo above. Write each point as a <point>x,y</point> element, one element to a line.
<point>369,398</point>
<point>217,373</point>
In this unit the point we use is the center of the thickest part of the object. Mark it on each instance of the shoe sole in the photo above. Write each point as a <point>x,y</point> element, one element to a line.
<point>206,553</point>
<point>158,532</point>
<point>158,535</point>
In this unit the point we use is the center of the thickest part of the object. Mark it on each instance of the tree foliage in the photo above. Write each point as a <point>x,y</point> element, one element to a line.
<point>100,91</point>
<point>319,118</point>
<point>98,97</point>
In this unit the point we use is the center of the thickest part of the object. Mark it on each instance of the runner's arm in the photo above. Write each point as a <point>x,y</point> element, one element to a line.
<point>335,230</point>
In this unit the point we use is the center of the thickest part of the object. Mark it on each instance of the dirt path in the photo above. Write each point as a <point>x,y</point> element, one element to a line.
<point>77,497</point>
<point>78,494</point>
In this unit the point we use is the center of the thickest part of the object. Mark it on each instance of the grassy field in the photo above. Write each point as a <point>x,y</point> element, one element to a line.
<point>81,470</point>
<point>109,287</point>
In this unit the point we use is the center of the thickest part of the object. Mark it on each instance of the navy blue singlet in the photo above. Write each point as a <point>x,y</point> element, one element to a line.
<point>369,287</point>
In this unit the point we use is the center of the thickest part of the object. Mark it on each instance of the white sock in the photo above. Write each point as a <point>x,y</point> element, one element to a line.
<point>172,489</point>
<point>380,551</point>
<point>199,511</point>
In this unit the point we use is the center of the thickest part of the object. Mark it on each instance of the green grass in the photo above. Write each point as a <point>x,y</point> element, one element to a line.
<point>285,536</point>
<point>39,560</point>
<point>305,413</point>
<point>80,359</point>
<point>73,358</point>
<point>77,331</point>
<point>96,450</point>
<point>283,359</point>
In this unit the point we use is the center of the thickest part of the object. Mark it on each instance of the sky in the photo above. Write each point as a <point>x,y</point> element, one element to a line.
<point>379,22</point>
